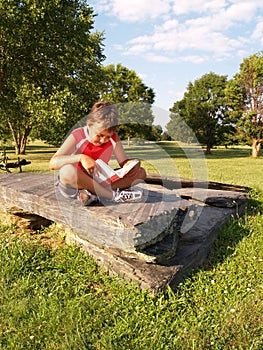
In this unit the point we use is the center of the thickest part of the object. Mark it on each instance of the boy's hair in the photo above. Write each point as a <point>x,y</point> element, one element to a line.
<point>105,113</point>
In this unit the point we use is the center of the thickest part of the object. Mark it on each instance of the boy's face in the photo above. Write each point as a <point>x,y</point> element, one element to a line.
<point>98,134</point>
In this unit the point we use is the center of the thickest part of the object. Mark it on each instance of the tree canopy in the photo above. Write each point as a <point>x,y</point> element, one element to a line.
<point>133,99</point>
<point>201,112</point>
<point>50,66</point>
<point>245,98</point>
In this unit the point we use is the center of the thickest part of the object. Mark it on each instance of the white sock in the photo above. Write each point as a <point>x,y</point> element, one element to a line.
<point>114,194</point>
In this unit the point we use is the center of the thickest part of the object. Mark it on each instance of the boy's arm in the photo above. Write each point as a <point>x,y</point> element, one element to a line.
<point>120,154</point>
<point>65,155</point>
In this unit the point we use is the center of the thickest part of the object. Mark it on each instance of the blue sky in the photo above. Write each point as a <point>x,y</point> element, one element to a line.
<point>169,43</point>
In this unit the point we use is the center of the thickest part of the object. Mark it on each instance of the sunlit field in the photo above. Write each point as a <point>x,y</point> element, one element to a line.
<point>233,165</point>
<point>54,296</point>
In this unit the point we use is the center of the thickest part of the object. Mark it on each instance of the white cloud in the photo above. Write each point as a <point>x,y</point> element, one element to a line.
<point>194,58</point>
<point>151,57</point>
<point>258,32</point>
<point>134,10</point>
<point>197,6</point>
<point>215,34</point>
<point>138,49</point>
<point>173,38</point>
<point>195,30</point>
<point>242,11</point>
<point>138,10</point>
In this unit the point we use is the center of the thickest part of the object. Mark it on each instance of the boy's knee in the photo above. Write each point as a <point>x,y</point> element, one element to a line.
<point>68,174</point>
<point>142,174</point>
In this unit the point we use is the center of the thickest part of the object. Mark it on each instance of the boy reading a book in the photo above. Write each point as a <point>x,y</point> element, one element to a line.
<point>76,160</point>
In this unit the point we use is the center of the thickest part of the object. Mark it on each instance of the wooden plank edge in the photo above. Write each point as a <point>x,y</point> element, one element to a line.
<point>151,277</point>
<point>173,182</point>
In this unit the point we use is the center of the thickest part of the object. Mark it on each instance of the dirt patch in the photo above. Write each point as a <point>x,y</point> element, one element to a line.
<point>39,229</point>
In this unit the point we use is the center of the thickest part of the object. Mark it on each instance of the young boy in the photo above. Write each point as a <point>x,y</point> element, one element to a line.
<point>75,159</point>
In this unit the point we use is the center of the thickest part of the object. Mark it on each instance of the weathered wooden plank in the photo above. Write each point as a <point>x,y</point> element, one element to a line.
<point>218,198</point>
<point>154,242</point>
<point>120,226</point>
<point>27,181</point>
<point>149,276</point>
<point>174,183</point>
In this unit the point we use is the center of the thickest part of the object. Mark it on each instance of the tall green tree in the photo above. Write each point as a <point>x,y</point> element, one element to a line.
<point>202,112</point>
<point>133,98</point>
<point>245,98</point>
<point>49,68</point>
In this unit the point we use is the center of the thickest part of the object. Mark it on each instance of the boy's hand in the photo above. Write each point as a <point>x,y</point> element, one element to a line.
<point>88,163</point>
<point>127,161</point>
<point>134,170</point>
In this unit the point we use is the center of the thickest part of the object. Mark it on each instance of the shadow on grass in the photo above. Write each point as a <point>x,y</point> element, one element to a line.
<point>159,151</point>
<point>173,150</point>
<point>230,236</point>
<point>225,244</point>
<point>40,149</point>
<point>153,150</point>
<point>229,153</point>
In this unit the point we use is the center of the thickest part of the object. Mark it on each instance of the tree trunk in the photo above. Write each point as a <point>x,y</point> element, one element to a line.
<point>23,146</point>
<point>20,141</point>
<point>208,149</point>
<point>256,146</point>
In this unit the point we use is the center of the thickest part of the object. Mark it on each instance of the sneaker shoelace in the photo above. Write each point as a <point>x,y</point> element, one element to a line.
<point>127,195</point>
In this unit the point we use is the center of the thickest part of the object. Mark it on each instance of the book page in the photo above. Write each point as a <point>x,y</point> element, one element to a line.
<point>127,167</point>
<point>105,174</point>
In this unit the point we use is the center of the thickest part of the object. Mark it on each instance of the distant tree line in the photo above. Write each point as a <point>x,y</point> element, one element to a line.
<point>220,112</point>
<point>51,72</point>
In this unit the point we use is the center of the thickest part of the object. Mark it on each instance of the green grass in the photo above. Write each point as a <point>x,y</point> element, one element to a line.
<point>54,296</point>
<point>37,153</point>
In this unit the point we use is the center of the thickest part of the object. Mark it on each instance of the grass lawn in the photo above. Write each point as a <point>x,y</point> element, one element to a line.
<point>53,296</point>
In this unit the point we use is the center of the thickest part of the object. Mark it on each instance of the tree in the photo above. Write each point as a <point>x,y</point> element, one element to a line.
<point>245,98</point>
<point>133,98</point>
<point>50,66</point>
<point>202,112</point>
<point>156,133</point>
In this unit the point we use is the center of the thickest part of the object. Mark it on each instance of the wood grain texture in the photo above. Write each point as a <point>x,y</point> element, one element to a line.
<point>154,242</point>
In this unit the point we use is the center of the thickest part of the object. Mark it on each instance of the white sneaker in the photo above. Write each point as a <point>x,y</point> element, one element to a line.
<point>86,198</point>
<point>127,196</point>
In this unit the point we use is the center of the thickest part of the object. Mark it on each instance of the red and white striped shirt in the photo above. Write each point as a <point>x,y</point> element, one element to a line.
<point>84,146</point>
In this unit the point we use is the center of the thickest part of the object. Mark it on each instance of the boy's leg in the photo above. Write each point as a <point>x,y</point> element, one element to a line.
<point>76,178</point>
<point>130,179</point>
<point>85,181</point>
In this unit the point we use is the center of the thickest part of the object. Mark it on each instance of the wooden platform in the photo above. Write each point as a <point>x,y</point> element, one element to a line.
<point>154,242</point>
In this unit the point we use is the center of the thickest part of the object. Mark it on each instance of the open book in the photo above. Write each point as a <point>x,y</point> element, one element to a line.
<point>105,174</point>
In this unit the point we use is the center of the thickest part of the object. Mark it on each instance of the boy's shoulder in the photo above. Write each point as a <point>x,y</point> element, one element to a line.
<point>79,134</point>
<point>114,137</point>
